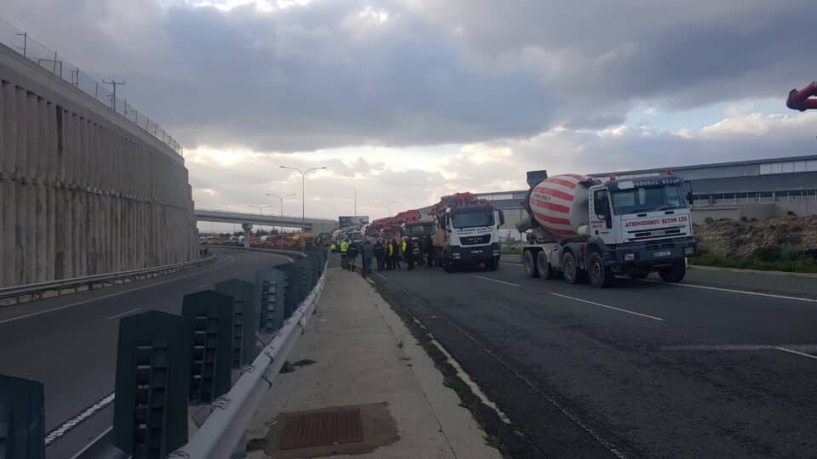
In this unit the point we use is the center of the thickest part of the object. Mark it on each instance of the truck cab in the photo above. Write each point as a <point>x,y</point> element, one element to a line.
<point>471,236</point>
<point>642,225</point>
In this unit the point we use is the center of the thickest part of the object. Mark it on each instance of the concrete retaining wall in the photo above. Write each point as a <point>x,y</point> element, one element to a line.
<point>82,190</point>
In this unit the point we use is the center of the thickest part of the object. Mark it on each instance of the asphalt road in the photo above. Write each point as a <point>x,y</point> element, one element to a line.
<point>69,343</point>
<point>723,365</point>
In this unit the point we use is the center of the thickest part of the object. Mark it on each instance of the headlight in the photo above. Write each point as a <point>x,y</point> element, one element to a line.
<point>496,253</point>
<point>455,255</point>
<point>689,250</point>
<point>629,257</point>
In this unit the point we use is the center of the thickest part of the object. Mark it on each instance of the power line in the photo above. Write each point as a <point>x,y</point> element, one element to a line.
<point>114,84</point>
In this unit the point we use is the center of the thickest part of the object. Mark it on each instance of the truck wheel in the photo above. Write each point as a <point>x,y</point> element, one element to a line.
<point>542,265</point>
<point>674,274</point>
<point>569,268</point>
<point>530,264</point>
<point>600,276</point>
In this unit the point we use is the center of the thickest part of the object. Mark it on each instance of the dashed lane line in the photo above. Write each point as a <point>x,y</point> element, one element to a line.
<point>627,311</point>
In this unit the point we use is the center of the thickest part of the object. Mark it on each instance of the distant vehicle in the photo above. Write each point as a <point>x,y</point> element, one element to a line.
<point>466,232</point>
<point>587,228</point>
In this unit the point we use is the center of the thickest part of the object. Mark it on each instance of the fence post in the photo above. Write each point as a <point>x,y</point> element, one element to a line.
<point>245,320</point>
<point>270,287</point>
<point>152,384</point>
<point>22,418</point>
<point>210,315</point>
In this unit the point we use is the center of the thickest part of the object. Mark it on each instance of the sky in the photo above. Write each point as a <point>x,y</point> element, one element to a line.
<point>404,101</point>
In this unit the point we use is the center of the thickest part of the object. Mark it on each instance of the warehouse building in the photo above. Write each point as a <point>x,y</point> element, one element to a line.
<point>754,189</point>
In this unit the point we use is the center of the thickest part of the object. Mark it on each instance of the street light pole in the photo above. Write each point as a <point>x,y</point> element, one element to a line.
<point>303,197</point>
<point>281,202</point>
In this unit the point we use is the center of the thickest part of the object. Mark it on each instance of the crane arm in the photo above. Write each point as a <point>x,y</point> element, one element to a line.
<point>804,99</point>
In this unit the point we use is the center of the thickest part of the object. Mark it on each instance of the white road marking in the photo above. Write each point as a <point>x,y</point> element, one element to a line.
<point>792,351</point>
<point>742,292</point>
<point>498,281</point>
<point>627,311</point>
<point>91,300</point>
<point>123,314</point>
<point>92,443</point>
<point>76,420</point>
<point>470,382</point>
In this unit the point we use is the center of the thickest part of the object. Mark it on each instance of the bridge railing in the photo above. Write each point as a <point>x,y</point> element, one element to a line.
<point>51,61</point>
<point>58,287</point>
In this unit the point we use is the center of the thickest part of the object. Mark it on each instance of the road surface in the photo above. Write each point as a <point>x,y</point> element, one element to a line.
<point>69,343</point>
<point>723,365</point>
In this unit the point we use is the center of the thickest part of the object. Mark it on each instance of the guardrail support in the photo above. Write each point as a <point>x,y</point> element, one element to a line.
<point>22,419</point>
<point>152,384</point>
<point>270,288</point>
<point>245,319</point>
<point>211,318</point>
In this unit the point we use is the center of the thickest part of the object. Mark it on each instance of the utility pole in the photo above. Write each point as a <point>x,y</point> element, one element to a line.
<point>113,83</point>
<point>303,198</point>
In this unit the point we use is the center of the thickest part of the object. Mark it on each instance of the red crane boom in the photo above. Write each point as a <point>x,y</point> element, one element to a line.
<point>804,99</point>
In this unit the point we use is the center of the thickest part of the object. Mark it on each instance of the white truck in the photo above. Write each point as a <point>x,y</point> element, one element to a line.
<point>467,235</point>
<point>587,229</point>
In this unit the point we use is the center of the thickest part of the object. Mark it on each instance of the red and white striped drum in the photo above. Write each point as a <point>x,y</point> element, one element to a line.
<point>559,204</point>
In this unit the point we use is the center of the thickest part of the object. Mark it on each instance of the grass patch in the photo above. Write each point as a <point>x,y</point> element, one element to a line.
<point>511,251</point>
<point>791,266</point>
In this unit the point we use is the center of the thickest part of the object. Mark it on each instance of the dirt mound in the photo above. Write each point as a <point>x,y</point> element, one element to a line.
<point>752,238</point>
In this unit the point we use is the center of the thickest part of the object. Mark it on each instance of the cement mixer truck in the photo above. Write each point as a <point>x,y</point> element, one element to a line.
<point>582,228</point>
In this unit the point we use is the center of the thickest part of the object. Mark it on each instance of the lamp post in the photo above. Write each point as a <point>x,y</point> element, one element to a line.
<point>390,203</point>
<point>281,202</point>
<point>303,197</point>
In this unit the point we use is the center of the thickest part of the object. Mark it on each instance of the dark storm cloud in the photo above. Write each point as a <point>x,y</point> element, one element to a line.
<point>455,71</point>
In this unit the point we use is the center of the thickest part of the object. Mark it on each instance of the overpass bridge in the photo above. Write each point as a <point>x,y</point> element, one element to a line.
<point>315,225</point>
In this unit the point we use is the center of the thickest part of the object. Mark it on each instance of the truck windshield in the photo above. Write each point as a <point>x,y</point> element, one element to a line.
<point>649,199</point>
<point>472,219</point>
<point>419,230</point>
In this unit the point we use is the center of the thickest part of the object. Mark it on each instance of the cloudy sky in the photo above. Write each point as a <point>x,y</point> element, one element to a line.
<point>407,100</point>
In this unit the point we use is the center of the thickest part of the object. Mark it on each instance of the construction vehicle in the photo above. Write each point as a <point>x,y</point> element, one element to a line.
<point>584,228</point>
<point>467,232</point>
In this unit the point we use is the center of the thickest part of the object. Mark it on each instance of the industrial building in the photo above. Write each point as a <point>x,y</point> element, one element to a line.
<point>754,189</point>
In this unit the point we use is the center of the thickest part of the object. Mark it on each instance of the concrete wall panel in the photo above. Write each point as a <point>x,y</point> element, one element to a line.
<point>82,190</point>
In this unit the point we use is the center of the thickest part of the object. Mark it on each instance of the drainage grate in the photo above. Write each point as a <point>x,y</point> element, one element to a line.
<point>321,429</point>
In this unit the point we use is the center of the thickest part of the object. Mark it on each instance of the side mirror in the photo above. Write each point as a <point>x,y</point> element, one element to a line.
<point>501,218</point>
<point>688,191</point>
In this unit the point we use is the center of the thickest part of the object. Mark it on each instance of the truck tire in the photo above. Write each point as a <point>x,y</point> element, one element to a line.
<point>569,268</point>
<point>674,274</point>
<point>492,264</point>
<point>529,263</point>
<point>600,275</point>
<point>543,266</point>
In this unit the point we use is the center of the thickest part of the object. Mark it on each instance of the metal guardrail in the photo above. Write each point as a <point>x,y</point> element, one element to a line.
<point>36,291</point>
<point>231,413</point>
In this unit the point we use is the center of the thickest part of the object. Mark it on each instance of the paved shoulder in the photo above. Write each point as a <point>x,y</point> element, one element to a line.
<point>356,354</point>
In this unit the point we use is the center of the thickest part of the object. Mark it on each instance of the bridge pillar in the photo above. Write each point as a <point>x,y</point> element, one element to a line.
<point>247,227</point>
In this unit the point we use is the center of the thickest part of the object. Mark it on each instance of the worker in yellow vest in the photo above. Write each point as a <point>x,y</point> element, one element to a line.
<point>344,247</point>
<point>403,250</point>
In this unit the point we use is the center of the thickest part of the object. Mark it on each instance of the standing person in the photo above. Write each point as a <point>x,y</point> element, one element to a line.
<point>367,251</point>
<point>389,256</point>
<point>428,251</point>
<point>379,254</point>
<point>395,254</point>
<point>408,253</point>
<point>344,247</point>
<point>351,256</point>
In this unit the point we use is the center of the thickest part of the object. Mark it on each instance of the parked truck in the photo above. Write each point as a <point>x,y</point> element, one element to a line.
<point>467,232</point>
<point>584,228</point>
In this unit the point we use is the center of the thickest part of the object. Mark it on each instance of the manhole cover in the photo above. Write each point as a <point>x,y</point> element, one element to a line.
<point>321,429</point>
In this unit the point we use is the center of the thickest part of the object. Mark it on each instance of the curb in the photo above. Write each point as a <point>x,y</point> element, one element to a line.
<point>754,271</point>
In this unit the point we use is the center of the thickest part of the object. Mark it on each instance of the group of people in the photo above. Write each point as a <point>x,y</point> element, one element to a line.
<point>416,252</point>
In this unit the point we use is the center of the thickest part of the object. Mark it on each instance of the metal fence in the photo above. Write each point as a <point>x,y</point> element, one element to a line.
<point>103,90</point>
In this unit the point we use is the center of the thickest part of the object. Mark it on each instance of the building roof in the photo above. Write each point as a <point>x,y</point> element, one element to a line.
<point>750,162</point>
